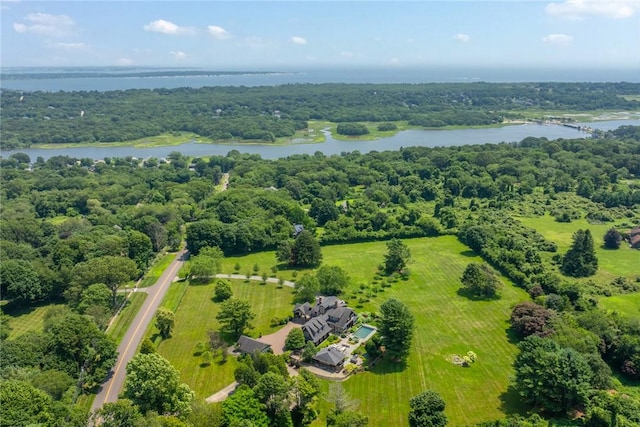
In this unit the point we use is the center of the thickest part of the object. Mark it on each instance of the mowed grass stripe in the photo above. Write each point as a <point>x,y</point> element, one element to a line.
<point>446,324</point>
<point>29,319</point>
<point>196,314</point>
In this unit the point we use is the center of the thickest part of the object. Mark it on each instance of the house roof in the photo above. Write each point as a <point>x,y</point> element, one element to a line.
<point>634,232</point>
<point>316,327</point>
<point>329,356</point>
<point>303,308</point>
<point>327,302</point>
<point>249,345</point>
<point>341,315</point>
<point>635,240</point>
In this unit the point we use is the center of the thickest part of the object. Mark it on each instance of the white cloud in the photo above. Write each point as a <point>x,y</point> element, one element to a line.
<point>167,27</point>
<point>579,9</point>
<point>344,54</point>
<point>124,61</point>
<point>178,54</point>
<point>70,45</point>
<point>298,40</point>
<point>45,24</point>
<point>558,39</point>
<point>463,38</point>
<point>218,32</point>
<point>394,61</point>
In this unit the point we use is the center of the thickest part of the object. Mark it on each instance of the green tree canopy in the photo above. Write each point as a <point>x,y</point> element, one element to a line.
<point>397,256</point>
<point>153,384</point>
<point>222,290</point>
<point>19,282</point>
<point>427,410</point>
<point>612,238</point>
<point>165,320</point>
<point>305,251</point>
<point>332,280</point>
<point>481,280</point>
<point>295,339</point>
<point>580,260</point>
<point>21,404</point>
<point>234,316</point>
<point>306,288</point>
<point>113,271</point>
<point>242,408</point>
<point>396,328</point>
<point>550,377</point>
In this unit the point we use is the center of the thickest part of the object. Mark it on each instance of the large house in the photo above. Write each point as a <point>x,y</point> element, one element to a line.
<point>327,316</point>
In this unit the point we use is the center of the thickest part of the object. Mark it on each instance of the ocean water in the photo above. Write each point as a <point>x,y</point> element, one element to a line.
<point>282,77</point>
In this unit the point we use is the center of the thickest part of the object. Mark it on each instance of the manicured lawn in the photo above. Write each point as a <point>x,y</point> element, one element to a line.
<point>264,260</point>
<point>121,323</point>
<point>156,270</point>
<point>611,263</point>
<point>28,319</point>
<point>196,314</point>
<point>627,305</point>
<point>446,323</point>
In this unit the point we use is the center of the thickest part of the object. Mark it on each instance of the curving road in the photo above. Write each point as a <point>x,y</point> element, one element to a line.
<point>111,388</point>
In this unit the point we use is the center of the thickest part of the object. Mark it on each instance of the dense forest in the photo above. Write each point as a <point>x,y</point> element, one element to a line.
<point>75,230</point>
<point>267,113</point>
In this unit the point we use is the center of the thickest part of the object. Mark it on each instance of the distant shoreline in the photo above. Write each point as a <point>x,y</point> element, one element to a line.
<point>133,74</point>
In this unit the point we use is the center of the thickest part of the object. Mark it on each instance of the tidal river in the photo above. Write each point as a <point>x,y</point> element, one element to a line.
<point>409,138</point>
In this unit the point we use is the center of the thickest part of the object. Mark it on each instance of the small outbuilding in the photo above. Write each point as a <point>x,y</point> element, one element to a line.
<point>248,345</point>
<point>331,357</point>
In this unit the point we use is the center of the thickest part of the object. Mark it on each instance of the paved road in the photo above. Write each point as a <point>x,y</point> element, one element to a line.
<point>111,388</point>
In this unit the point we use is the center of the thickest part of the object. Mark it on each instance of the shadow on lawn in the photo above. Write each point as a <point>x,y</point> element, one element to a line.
<point>468,253</point>
<point>511,403</point>
<point>464,292</point>
<point>385,366</point>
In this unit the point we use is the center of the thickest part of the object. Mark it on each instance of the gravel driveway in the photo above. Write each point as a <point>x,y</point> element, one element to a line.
<point>276,339</point>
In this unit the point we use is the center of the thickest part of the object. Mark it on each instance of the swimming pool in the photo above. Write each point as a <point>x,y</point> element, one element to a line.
<point>364,331</point>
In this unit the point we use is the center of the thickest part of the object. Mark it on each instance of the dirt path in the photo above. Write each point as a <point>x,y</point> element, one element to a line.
<point>255,278</point>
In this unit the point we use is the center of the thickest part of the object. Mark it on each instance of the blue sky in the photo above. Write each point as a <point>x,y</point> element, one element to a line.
<point>283,35</point>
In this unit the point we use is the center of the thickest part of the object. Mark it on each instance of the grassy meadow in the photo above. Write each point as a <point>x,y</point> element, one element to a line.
<point>627,305</point>
<point>447,323</point>
<point>28,319</point>
<point>611,263</point>
<point>195,314</point>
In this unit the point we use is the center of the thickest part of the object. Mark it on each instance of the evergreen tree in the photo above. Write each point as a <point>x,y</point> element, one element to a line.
<point>397,256</point>
<point>305,251</point>
<point>396,328</point>
<point>580,260</point>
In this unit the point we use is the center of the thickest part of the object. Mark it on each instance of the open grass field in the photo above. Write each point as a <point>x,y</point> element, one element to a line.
<point>611,263</point>
<point>162,140</point>
<point>196,314</point>
<point>627,305</point>
<point>28,319</point>
<point>446,324</point>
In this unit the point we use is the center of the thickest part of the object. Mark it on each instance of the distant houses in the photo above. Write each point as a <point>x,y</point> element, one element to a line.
<point>328,316</point>
<point>634,238</point>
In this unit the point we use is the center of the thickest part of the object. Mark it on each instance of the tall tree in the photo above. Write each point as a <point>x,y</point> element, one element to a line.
<point>234,316</point>
<point>222,290</point>
<point>306,288</point>
<point>242,408</point>
<point>580,260</point>
<point>550,377</point>
<point>113,271</point>
<point>612,238</point>
<point>165,319</point>
<point>397,256</point>
<point>305,251</point>
<point>21,404</point>
<point>427,410</point>
<point>117,414</point>
<point>332,280</point>
<point>19,282</point>
<point>153,384</point>
<point>396,328</point>
<point>481,280</point>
